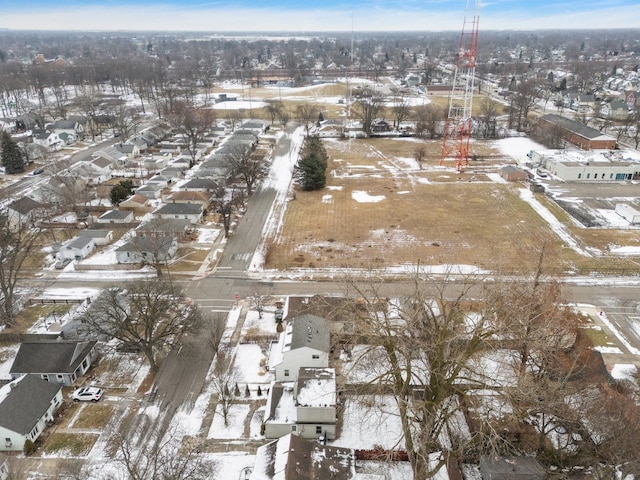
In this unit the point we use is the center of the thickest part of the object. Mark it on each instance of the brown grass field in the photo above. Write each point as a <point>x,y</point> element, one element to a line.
<point>431,216</point>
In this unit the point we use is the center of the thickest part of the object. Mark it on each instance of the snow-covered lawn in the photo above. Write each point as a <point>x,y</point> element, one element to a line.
<point>248,361</point>
<point>370,421</point>
<point>237,415</point>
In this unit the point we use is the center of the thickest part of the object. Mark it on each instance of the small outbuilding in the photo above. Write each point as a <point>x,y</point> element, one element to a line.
<point>629,213</point>
<point>513,174</point>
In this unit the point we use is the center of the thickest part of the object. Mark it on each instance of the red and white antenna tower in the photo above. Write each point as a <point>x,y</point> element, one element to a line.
<point>455,145</point>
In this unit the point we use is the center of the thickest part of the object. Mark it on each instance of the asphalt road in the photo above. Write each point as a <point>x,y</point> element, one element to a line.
<point>182,374</point>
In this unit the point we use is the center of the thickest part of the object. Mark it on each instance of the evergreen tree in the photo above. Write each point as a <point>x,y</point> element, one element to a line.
<point>12,157</point>
<point>312,176</point>
<point>121,191</point>
<point>312,164</point>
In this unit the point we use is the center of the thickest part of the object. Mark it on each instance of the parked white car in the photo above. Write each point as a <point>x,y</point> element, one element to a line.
<point>87,394</point>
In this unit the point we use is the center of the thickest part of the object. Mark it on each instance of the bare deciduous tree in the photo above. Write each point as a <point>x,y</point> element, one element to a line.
<point>192,122</point>
<point>401,106</point>
<point>421,348</point>
<point>243,163</point>
<point>225,383</point>
<point>149,315</point>
<point>420,155</point>
<point>162,457</point>
<point>367,107</point>
<point>18,241</point>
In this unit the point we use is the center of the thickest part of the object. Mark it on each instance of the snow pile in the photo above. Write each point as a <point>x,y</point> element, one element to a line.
<point>361,196</point>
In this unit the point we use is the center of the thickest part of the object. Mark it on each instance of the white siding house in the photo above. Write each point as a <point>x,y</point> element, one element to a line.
<point>304,343</point>
<point>77,248</point>
<point>27,404</point>
<point>306,407</point>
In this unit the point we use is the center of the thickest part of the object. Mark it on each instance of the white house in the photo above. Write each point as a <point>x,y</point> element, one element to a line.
<point>101,236</point>
<point>27,404</point>
<point>306,407</point>
<point>304,343</point>
<point>149,249</point>
<point>150,190</point>
<point>72,127</point>
<point>49,140</point>
<point>187,211</point>
<point>77,248</point>
<point>116,216</point>
<point>60,362</point>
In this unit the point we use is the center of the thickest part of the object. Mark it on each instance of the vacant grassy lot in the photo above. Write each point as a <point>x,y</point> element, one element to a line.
<point>380,210</point>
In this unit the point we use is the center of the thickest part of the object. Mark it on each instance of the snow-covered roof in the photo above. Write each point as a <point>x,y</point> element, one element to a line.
<point>316,387</point>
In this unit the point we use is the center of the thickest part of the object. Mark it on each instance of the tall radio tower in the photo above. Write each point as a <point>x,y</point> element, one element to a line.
<point>455,145</point>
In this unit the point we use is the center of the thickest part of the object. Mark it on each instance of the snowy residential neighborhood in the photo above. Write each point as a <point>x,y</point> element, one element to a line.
<point>268,276</point>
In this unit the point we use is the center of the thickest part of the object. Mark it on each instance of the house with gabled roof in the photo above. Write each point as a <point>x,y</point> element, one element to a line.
<point>306,407</point>
<point>201,198</point>
<point>200,185</point>
<point>187,211</point>
<point>25,209</point>
<point>48,139</point>
<point>91,173</point>
<point>131,150</point>
<point>77,248</point>
<point>72,127</point>
<point>163,227</point>
<point>116,157</point>
<point>100,236</point>
<point>116,216</point>
<point>150,190</point>
<point>27,405</point>
<point>147,249</point>
<point>304,343</point>
<point>56,361</point>
<point>294,458</point>
<point>137,203</point>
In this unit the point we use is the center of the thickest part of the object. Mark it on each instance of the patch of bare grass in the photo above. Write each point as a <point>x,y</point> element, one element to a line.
<point>71,444</point>
<point>93,416</point>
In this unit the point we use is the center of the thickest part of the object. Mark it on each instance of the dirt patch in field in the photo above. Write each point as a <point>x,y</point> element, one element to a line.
<point>379,209</point>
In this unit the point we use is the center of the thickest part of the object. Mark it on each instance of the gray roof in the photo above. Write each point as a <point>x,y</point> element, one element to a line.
<point>78,242</point>
<point>310,331</point>
<point>124,147</point>
<point>165,225</point>
<point>303,459</point>
<point>200,183</point>
<point>179,209</point>
<point>159,245</point>
<point>25,205</point>
<point>116,215</point>
<point>511,169</point>
<point>94,233</point>
<point>50,356</point>
<point>573,126</point>
<point>28,399</point>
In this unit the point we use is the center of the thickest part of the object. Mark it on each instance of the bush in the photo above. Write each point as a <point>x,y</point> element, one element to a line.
<point>29,448</point>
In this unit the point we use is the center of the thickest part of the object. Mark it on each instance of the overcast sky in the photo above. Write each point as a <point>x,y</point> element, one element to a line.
<point>316,15</point>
